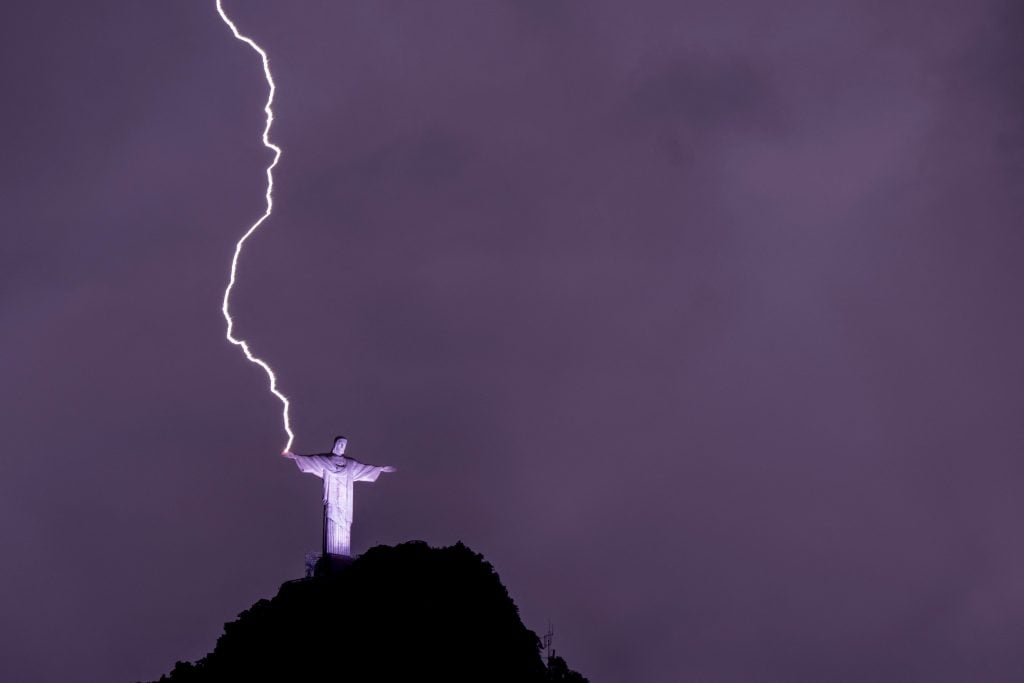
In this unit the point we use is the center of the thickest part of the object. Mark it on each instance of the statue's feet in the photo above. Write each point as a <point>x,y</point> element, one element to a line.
<point>331,564</point>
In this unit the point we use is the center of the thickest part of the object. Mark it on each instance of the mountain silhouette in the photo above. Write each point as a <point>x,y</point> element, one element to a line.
<point>396,613</point>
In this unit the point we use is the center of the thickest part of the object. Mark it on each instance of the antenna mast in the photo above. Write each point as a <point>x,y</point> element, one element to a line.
<point>548,641</point>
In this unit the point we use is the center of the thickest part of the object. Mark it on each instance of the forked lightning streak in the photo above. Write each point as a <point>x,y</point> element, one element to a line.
<point>268,108</point>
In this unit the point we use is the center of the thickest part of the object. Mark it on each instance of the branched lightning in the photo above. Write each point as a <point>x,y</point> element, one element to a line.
<point>268,109</point>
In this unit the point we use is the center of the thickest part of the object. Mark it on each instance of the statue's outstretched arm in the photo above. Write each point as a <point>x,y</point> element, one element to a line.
<point>382,468</point>
<point>364,472</point>
<point>311,464</point>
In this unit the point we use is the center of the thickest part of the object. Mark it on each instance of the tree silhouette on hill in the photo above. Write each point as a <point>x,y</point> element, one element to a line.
<point>397,613</point>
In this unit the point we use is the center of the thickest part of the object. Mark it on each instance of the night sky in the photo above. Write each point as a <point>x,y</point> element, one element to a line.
<point>700,320</point>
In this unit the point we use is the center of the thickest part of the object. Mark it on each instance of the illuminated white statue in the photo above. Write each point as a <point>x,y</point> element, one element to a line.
<point>339,474</point>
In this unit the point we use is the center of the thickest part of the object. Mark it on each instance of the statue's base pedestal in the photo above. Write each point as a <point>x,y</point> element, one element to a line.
<point>318,564</point>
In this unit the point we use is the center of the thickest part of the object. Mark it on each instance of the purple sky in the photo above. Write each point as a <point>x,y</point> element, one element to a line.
<point>701,320</point>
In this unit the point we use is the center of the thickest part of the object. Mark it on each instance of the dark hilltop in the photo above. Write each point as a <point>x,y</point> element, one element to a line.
<point>396,613</point>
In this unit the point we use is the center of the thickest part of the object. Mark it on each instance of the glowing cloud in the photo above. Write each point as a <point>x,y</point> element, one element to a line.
<point>268,108</point>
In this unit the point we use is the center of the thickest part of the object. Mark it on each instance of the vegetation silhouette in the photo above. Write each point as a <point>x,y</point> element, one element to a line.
<point>396,613</point>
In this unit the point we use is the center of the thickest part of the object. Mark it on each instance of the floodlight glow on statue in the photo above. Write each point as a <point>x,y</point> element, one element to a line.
<point>339,473</point>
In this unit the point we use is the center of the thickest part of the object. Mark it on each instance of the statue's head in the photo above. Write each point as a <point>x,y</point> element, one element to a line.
<point>339,445</point>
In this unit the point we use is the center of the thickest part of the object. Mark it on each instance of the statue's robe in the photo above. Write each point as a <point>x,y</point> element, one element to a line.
<point>339,474</point>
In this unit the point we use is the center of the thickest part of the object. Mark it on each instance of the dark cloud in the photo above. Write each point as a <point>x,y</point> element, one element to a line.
<point>699,320</point>
<point>704,96</point>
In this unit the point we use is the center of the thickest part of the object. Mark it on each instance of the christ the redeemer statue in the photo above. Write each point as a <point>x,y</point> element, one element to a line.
<point>339,474</point>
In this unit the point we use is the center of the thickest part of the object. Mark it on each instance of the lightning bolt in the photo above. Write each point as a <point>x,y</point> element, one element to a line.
<point>269,110</point>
